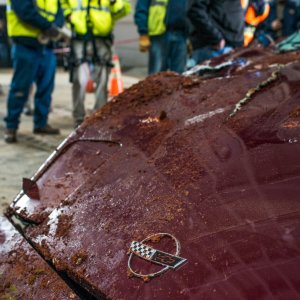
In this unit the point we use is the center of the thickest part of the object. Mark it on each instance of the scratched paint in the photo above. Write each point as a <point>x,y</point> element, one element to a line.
<point>227,189</point>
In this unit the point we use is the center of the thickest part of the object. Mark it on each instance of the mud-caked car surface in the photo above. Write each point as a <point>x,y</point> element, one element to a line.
<point>182,187</point>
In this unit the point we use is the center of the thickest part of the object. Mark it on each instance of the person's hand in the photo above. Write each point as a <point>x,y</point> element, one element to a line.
<point>53,32</point>
<point>276,25</point>
<point>144,43</point>
<point>68,18</point>
<point>220,45</point>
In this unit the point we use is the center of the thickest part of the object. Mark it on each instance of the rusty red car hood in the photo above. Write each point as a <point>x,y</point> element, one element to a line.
<point>212,161</point>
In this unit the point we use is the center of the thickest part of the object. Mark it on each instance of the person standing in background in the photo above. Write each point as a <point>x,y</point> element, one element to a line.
<point>218,27</point>
<point>271,27</point>
<point>291,17</point>
<point>33,61</point>
<point>92,23</point>
<point>163,28</point>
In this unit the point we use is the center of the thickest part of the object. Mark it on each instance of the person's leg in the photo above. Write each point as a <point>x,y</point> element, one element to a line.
<point>44,87</point>
<point>28,107</point>
<point>289,18</point>
<point>177,52</point>
<point>25,69</point>
<point>156,53</point>
<point>101,72</point>
<point>80,79</point>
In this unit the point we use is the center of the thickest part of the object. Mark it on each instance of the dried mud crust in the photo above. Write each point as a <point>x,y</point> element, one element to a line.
<point>78,258</point>
<point>23,273</point>
<point>27,278</point>
<point>64,225</point>
<point>61,178</point>
<point>295,112</point>
<point>140,95</point>
<point>136,123</point>
<point>36,217</point>
<point>109,215</point>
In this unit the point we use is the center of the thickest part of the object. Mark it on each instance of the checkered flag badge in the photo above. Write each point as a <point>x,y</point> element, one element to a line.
<point>156,256</point>
<point>141,250</point>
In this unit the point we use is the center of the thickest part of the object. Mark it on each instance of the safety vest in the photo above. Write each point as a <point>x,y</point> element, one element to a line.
<point>17,28</point>
<point>156,17</point>
<point>252,21</point>
<point>94,15</point>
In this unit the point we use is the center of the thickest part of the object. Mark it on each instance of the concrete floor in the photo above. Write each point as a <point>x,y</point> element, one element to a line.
<point>24,158</point>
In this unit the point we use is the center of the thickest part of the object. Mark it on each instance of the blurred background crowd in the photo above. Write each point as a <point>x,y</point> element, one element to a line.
<point>272,19</point>
<point>175,35</point>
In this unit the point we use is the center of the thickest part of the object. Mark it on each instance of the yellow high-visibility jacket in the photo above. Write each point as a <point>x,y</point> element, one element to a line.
<point>101,17</point>
<point>156,17</point>
<point>17,28</point>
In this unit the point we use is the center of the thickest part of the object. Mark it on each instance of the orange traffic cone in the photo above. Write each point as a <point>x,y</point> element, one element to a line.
<point>116,85</point>
<point>90,86</point>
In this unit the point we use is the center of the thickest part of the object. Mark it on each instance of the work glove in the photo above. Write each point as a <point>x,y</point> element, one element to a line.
<point>68,18</point>
<point>53,32</point>
<point>276,25</point>
<point>144,43</point>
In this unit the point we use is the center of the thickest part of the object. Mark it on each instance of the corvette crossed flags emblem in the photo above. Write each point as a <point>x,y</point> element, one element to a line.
<point>167,260</point>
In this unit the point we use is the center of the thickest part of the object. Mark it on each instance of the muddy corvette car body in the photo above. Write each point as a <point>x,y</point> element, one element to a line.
<point>182,187</point>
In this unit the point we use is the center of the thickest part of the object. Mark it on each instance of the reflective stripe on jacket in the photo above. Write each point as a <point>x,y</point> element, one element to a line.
<point>17,28</point>
<point>101,17</point>
<point>249,35</point>
<point>156,18</point>
<point>252,21</point>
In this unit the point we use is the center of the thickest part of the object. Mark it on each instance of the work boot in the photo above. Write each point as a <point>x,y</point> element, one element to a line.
<point>10,135</point>
<point>46,130</point>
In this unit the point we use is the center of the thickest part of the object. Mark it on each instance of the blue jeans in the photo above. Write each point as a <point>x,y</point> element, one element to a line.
<point>168,52</point>
<point>30,65</point>
<point>202,54</point>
